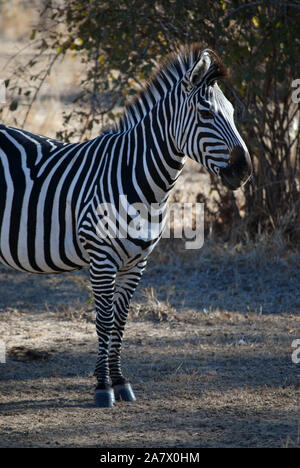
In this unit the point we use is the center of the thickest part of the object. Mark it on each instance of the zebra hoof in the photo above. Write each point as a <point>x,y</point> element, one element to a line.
<point>124,392</point>
<point>104,398</point>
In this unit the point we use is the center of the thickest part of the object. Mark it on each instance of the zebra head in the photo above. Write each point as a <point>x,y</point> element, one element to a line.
<point>208,132</point>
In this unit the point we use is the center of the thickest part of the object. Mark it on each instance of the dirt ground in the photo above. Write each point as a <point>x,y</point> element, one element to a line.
<point>207,348</point>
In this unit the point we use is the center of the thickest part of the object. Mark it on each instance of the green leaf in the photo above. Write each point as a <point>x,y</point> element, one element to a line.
<point>33,33</point>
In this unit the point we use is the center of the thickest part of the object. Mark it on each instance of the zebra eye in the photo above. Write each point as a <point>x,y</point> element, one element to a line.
<point>206,114</point>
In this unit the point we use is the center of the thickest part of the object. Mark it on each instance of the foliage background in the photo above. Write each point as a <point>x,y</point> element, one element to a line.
<point>120,42</point>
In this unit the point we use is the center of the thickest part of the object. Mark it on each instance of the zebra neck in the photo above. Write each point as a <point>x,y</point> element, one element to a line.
<point>153,157</point>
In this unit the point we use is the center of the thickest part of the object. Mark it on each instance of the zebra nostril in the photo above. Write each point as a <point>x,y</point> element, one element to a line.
<point>237,155</point>
<point>240,162</point>
<point>238,170</point>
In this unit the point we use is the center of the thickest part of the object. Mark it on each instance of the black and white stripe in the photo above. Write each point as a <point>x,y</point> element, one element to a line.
<point>52,194</point>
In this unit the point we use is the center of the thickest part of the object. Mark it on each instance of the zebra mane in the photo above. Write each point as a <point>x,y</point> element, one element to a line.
<point>164,77</point>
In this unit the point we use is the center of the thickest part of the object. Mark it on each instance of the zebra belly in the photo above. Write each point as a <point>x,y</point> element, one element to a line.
<point>35,255</point>
<point>37,236</point>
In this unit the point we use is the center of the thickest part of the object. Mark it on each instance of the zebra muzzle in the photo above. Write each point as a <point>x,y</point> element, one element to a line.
<point>239,169</point>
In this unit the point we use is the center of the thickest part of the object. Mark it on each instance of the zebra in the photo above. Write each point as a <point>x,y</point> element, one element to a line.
<point>51,191</point>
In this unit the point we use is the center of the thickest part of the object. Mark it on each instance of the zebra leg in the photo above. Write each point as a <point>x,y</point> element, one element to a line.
<point>103,283</point>
<point>126,283</point>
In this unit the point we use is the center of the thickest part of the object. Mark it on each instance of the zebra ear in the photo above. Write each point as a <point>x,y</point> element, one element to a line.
<point>200,68</point>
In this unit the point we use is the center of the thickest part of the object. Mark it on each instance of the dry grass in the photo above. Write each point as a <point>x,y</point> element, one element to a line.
<point>151,308</point>
<point>203,379</point>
